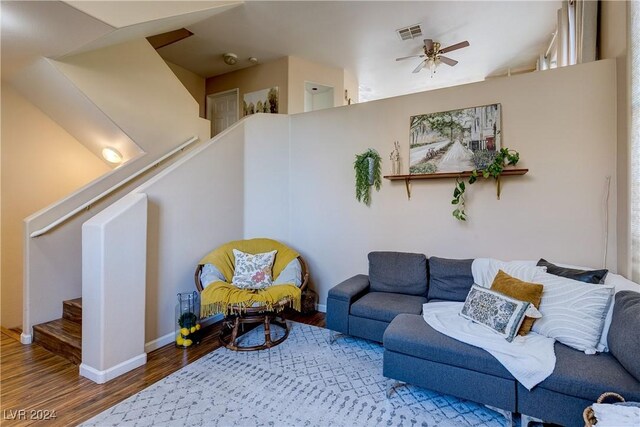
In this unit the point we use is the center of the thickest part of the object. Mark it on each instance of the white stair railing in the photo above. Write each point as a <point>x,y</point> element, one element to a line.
<point>111,190</point>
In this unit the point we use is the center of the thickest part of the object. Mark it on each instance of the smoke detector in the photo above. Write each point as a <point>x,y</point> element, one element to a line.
<point>230,58</point>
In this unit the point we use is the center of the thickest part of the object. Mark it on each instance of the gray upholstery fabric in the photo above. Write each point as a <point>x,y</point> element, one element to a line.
<point>337,315</point>
<point>551,406</point>
<point>588,376</point>
<point>445,378</point>
<point>398,272</point>
<point>367,328</point>
<point>340,298</point>
<point>411,335</point>
<point>351,289</point>
<point>385,306</point>
<point>449,279</point>
<point>624,335</point>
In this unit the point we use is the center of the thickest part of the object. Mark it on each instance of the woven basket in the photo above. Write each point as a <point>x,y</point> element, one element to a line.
<point>589,417</point>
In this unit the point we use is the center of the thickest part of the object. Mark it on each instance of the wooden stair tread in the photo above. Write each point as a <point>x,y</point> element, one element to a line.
<point>76,302</point>
<point>72,310</point>
<point>62,337</point>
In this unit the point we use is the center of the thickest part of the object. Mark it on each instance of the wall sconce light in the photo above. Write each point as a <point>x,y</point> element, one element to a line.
<point>111,155</point>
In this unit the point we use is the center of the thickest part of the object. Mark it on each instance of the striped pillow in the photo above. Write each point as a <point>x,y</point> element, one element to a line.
<point>573,312</point>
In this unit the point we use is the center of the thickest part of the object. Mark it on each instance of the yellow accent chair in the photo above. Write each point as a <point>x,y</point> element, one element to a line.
<point>247,306</point>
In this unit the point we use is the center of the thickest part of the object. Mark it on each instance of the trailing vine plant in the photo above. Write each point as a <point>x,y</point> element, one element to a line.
<point>366,177</point>
<point>504,157</point>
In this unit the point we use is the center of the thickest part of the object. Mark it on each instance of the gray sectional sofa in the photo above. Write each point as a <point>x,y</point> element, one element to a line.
<point>386,306</point>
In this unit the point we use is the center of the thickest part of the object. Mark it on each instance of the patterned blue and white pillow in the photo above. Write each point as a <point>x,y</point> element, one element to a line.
<point>253,271</point>
<point>495,311</point>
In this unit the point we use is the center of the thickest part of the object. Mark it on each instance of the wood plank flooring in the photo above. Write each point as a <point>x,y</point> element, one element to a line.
<point>41,383</point>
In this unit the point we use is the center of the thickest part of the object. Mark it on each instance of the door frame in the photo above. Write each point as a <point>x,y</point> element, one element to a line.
<point>209,103</point>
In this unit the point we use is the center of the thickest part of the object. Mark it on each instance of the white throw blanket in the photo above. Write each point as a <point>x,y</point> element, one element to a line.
<point>530,359</point>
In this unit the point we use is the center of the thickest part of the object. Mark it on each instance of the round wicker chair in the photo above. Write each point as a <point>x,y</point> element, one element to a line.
<point>238,316</point>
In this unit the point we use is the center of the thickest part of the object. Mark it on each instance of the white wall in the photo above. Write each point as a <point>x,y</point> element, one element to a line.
<point>133,85</point>
<point>194,206</point>
<point>113,289</point>
<point>266,177</point>
<point>41,163</point>
<point>563,123</point>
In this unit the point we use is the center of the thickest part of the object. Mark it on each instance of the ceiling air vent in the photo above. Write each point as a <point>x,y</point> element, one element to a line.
<point>410,33</point>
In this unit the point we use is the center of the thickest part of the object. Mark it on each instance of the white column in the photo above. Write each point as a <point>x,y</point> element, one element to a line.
<point>114,259</point>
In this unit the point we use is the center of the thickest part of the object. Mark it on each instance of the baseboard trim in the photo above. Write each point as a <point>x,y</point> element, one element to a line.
<point>168,338</point>
<point>101,377</point>
<point>322,308</point>
<point>26,338</point>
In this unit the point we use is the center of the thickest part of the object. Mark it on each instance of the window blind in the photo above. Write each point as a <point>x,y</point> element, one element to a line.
<point>635,140</point>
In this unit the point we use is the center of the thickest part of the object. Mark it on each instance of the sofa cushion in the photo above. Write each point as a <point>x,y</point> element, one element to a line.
<point>624,339</point>
<point>519,289</point>
<point>385,306</point>
<point>588,376</point>
<point>411,335</point>
<point>587,276</point>
<point>449,279</point>
<point>398,272</point>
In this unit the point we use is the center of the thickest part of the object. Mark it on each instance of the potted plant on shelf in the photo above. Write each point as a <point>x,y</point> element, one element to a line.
<point>368,174</point>
<point>504,157</point>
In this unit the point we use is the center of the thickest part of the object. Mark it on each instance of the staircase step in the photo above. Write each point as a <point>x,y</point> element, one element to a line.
<point>72,310</point>
<point>62,337</point>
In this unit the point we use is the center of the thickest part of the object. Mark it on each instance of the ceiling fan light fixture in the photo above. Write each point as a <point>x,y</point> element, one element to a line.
<point>230,58</point>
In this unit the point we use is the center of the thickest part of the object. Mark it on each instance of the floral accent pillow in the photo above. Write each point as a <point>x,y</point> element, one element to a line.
<point>496,311</point>
<point>253,271</point>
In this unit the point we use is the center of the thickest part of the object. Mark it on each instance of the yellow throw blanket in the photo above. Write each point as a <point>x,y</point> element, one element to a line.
<point>219,297</point>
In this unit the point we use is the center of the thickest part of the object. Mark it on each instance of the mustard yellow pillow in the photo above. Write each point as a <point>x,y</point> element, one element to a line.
<point>520,290</point>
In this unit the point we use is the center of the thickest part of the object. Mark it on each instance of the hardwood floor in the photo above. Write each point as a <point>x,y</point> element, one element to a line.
<point>35,383</point>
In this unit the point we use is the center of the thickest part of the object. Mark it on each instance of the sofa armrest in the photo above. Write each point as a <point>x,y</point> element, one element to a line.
<point>351,289</point>
<point>340,299</point>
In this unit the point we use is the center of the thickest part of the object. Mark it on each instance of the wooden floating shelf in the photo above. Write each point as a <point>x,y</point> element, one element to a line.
<point>408,178</point>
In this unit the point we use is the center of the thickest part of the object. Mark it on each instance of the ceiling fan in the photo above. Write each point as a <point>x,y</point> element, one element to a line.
<point>433,55</point>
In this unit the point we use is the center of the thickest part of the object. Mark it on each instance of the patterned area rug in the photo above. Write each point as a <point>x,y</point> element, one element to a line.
<point>304,381</point>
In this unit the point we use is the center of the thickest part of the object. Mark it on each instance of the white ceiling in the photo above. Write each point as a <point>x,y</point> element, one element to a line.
<point>360,37</point>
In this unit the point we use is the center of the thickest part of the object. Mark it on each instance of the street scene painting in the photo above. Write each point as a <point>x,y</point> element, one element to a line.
<point>260,101</point>
<point>455,141</point>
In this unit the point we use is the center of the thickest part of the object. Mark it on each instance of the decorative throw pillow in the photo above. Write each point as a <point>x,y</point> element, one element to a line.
<point>253,271</point>
<point>210,274</point>
<point>292,274</point>
<point>586,276</point>
<point>485,270</point>
<point>573,312</point>
<point>520,290</point>
<point>495,311</point>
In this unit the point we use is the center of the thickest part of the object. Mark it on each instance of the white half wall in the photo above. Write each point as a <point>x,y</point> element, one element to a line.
<point>195,205</point>
<point>563,123</point>
<point>113,289</point>
<point>266,177</point>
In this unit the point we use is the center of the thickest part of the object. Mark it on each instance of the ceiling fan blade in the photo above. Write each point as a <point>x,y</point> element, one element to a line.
<point>448,61</point>
<point>420,66</point>
<point>455,46</point>
<point>428,44</point>
<point>407,57</point>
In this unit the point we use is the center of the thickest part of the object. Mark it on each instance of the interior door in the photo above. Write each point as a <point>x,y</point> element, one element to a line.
<point>222,110</point>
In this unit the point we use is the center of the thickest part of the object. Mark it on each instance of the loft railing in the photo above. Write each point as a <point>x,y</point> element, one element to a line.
<point>107,192</point>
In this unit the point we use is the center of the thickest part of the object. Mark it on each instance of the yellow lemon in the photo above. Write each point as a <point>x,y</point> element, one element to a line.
<point>198,327</point>
<point>193,329</point>
<point>187,343</point>
<point>179,340</point>
<point>184,332</point>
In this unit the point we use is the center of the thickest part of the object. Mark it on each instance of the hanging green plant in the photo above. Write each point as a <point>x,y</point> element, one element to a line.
<point>504,157</point>
<point>368,173</point>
